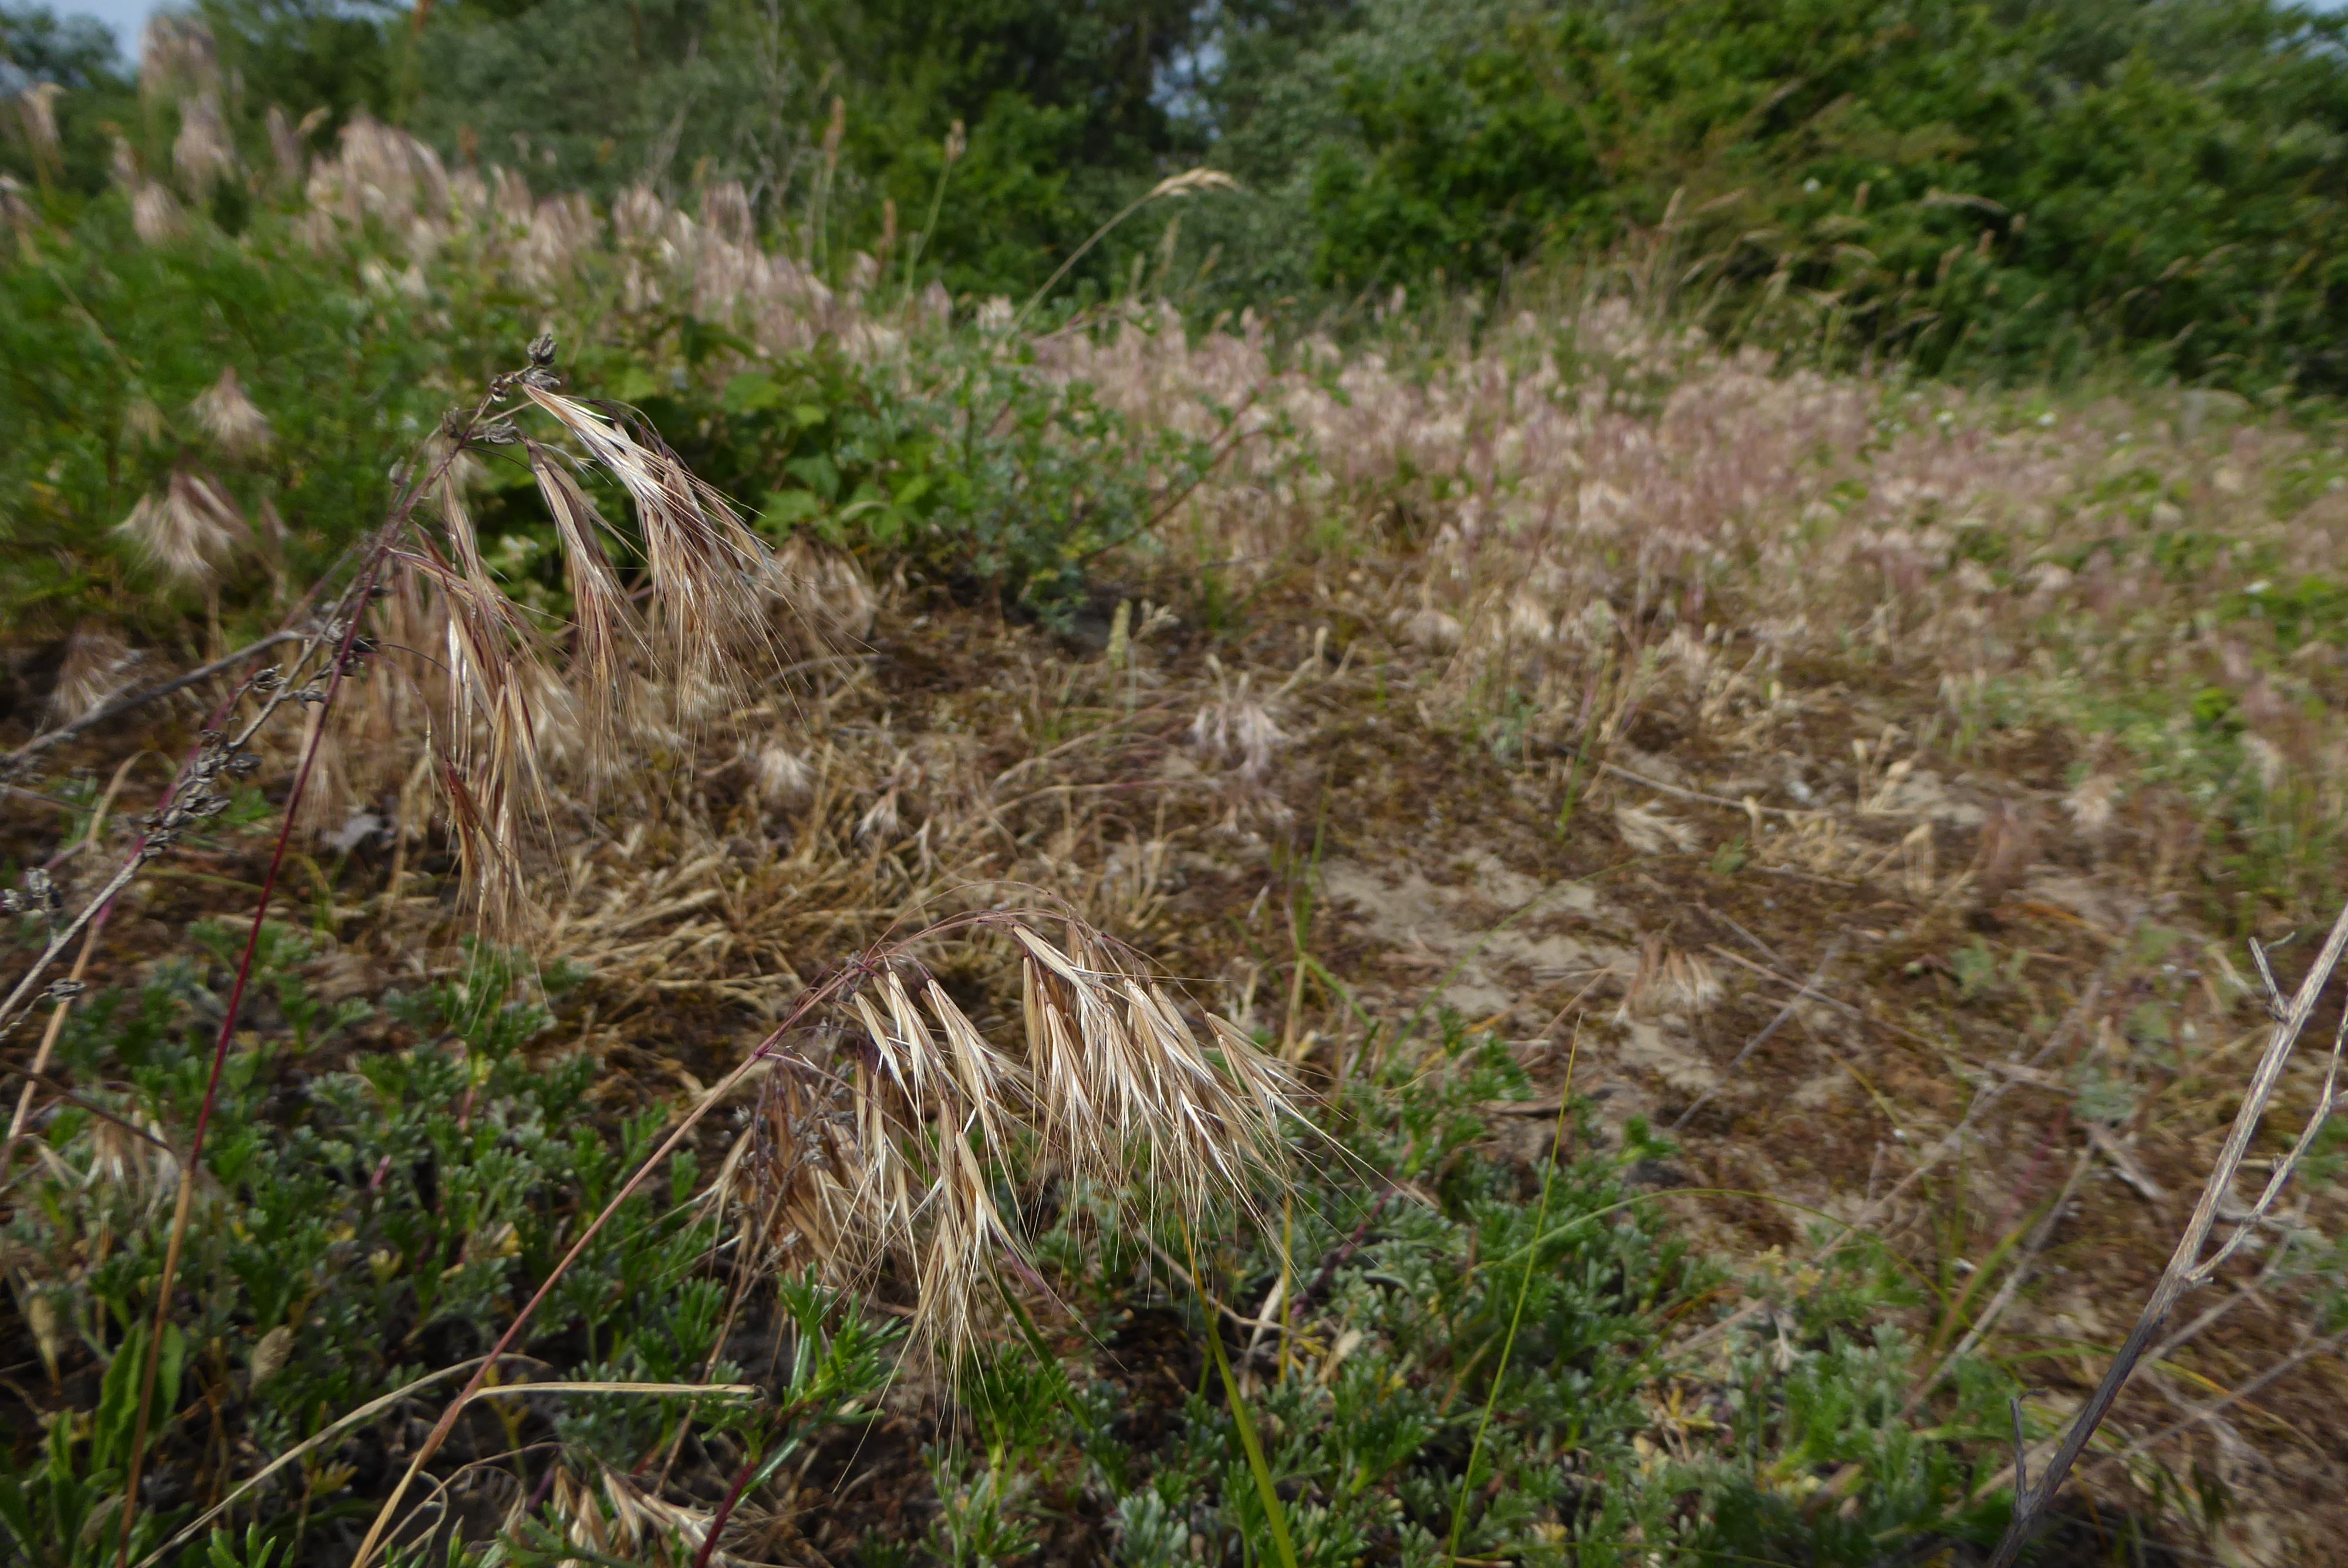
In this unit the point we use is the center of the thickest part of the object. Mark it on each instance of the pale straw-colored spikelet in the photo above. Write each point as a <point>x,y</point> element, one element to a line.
<point>177,55</point>
<point>230,417</point>
<point>1648,832</point>
<point>709,574</point>
<point>202,152</point>
<point>1687,982</point>
<point>328,796</point>
<point>97,667</point>
<point>285,148</point>
<point>2268,763</point>
<point>16,213</point>
<point>1191,181</point>
<point>894,1153</point>
<point>604,630</point>
<point>460,468</point>
<point>487,744</point>
<point>190,531</point>
<point>1236,730</point>
<point>2093,804</point>
<point>880,821</point>
<point>782,775</point>
<point>142,421</point>
<point>36,108</point>
<point>1430,629</point>
<point>156,215</point>
<point>725,212</point>
<point>824,587</point>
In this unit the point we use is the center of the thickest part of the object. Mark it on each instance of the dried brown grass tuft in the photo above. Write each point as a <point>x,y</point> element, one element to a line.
<point>888,1152</point>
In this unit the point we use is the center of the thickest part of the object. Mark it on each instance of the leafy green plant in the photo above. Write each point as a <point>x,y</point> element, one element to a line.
<point>963,457</point>
<point>1420,1250</point>
<point>432,1164</point>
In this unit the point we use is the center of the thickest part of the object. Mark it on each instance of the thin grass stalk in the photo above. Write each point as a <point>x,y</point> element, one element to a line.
<point>352,614</point>
<point>1174,185</point>
<point>146,848</point>
<point>1242,1415</point>
<point>448,1421</point>
<point>1516,1314</point>
<point>81,961</point>
<point>326,1434</point>
<point>189,1167</point>
<point>954,147</point>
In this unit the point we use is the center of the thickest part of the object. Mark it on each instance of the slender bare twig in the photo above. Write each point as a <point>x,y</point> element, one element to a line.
<point>2326,1345</point>
<point>1701,798</point>
<point>2187,1268</point>
<point>189,1168</point>
<point>192,797</point>
<point>341,627</point>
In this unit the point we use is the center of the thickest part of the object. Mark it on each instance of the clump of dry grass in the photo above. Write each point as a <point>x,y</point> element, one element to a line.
<point>888,1150</point>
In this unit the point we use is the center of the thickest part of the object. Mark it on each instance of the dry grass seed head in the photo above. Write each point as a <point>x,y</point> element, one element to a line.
<point>490,766</point>
<point>1237,729</point>
<point>98,665</point>
<point>1648,831</point>
<point>823,592</point>
<point>710,575</point>
<point>230,417</point>
<point>190,532</point>
<point>156,215</point>
<point>177,55</point>
<point>16,213</point>
<point>202,152</point>
<point>605,628</point>
<point>285,148</point>
<point>782,775</point>
<point>37,106</point>
<point>928,1117</point>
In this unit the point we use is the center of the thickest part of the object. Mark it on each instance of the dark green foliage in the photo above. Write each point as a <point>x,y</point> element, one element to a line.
<point>104,345</point>
<point>333,56</point>
<point>2012,188</point>
<point>2020,187</point>
<point>1601,1450</point>
<point>966,461</point>
<point>960,455</point>
<point>371,1214</point>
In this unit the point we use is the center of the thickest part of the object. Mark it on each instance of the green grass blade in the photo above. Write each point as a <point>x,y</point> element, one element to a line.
<point>1244,1419</point>
<point>1517,1314</point>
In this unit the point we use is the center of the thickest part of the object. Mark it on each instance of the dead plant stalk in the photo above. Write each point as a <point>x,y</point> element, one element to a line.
<point>2187,1268</point>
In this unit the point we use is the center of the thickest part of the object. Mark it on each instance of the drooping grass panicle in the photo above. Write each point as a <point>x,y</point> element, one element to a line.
<point>230,417</point>
<point>928,1119</point>
<point>605,630</point>
<point>709,574</point>
<point>190,531</point>
<point>489,761</point>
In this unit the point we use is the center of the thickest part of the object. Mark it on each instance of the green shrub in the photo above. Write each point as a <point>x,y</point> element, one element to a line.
<point>387,1181</point>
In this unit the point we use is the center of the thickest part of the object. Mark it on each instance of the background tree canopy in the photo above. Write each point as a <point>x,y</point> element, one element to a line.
<point>2021,187</point>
